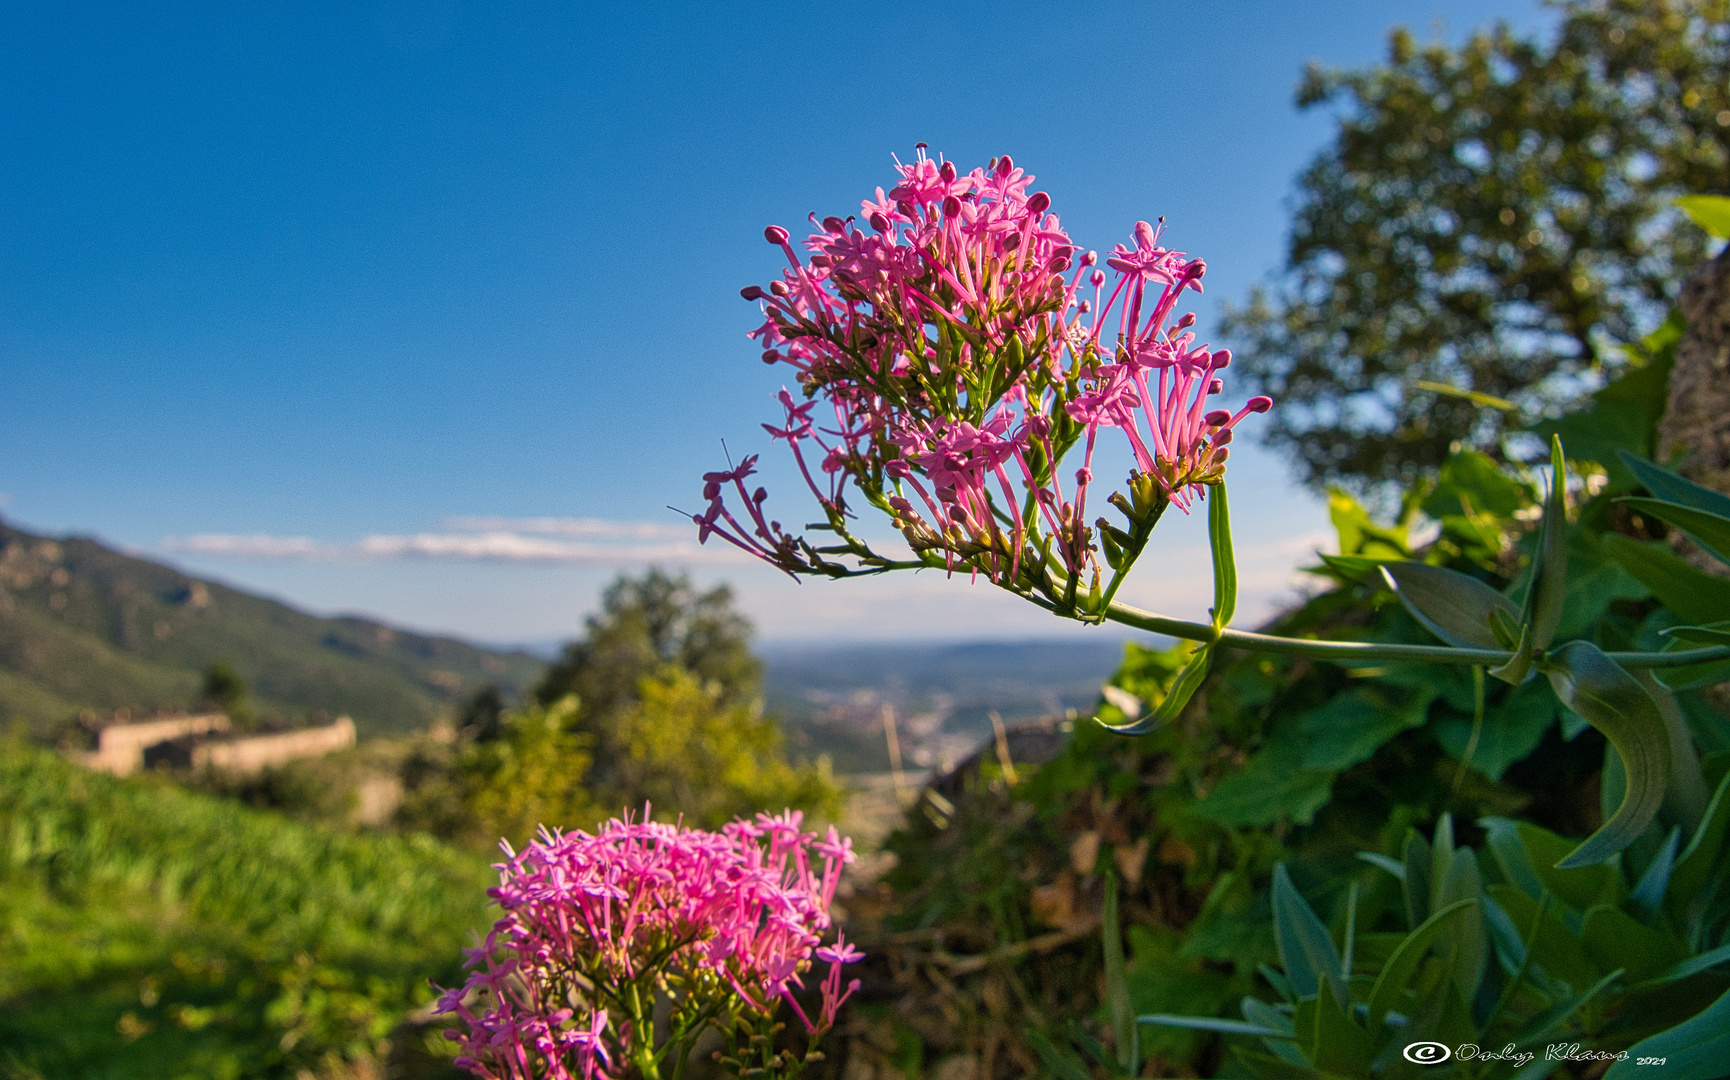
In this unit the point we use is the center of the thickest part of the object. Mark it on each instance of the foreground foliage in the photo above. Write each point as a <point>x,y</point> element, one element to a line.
<point>153,932</point>
<point>1226,842</point>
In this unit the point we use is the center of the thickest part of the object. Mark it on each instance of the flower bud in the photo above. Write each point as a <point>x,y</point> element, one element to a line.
<point>779,288</point>
<point>775,234</point>
<point>1259,404</point>
<point>1098,278</point>
<point>1005,166</point>
<point>1187,321</point>
<point>1216,418</point>
<point>947,172</point>
<point>1215,386</point>
<point>1144,234</point>
<point>1039,203</point>
<point>752,292</point>
<point>879,222</point>
<point>1060,264</point>
<point>1222,358</point>
<point>770,356</point>
<point>1223,437</point>
<point>834,224</point>
<point>1090,258</point>
<point>951,207</point>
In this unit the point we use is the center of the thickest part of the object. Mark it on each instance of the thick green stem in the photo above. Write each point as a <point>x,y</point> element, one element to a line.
<point>1367,651</point>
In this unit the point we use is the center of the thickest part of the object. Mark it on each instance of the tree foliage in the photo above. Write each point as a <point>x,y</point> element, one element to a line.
<point>1495,219</point>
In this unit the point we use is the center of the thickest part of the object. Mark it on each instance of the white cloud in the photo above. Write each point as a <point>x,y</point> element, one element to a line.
<point>586,528</point>
<point>535,540</point>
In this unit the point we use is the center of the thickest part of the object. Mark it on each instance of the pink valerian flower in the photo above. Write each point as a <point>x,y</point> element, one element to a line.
<point>965,345</point>
<point>725,921</point>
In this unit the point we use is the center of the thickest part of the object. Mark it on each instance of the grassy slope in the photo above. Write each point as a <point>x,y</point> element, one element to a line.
<point>152,932</point>
<point>82,626</point>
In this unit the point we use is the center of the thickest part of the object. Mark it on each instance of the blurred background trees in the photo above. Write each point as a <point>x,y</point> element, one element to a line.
<point>1496,219</point>
<point>659,702</point>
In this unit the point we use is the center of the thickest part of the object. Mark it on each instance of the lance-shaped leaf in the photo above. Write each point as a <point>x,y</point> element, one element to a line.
<point>1306,950</point>
<point>1549,586</point>
<point>1693,594</point>
<point>1666,485</point>
<point>1519,665</point>
<point>1187,682</point>
<point>1224,562</point>
<point>1694,1050</point>
<point>1453,606</point>
<point>1717,633</point>
<point>1615,703</point>
<point>1403,964</point>
<point>1710,531</point>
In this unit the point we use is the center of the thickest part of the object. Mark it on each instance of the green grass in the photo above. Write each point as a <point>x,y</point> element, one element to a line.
<point>148,931</point>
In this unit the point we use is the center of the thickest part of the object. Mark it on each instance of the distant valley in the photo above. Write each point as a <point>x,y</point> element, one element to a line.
<point>86,628</point>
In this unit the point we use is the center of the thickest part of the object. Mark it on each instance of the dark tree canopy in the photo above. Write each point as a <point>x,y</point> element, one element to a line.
<point>647,622</point>
<point>1496,219</point>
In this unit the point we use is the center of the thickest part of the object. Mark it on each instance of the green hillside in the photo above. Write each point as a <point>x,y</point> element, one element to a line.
<point>84,627</point>
<point>152,932</point>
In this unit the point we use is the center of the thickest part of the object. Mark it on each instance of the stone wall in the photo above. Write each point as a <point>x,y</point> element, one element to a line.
<point>120,747</point>
<point>254,753</point>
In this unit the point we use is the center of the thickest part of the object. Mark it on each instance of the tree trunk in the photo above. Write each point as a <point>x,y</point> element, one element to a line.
<point>1696,421</point>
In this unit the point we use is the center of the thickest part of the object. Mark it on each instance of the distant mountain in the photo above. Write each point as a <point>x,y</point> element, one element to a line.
<point>83,626</point>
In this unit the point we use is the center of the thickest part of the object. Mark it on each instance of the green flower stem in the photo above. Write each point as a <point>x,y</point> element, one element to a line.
<point>1365,651</point>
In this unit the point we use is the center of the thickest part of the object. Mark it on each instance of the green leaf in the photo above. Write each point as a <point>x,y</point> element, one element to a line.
<point>1208,1023</point>
<point>1549,585</point>
<point>1696,1049</point>
<point>1716,634</point>
<point>1694,868</point>
<point>1614,939</point>
<point>1519,665</point>
<point>1453,606</point>
<point>1667,485</point>
<point>1710,212</point>
<point>1391,865</point>
<point>1512,856</point>
<point>1623,415</point>
<point>1556,1015</point>
<point>1710,531</point>
<point>1554,947</point>
<point>1581,887</point>
<point>1403,964</point>
<point>1696,596</point>
<point>1188,682</point>
<point>1648,895</point>
<point>1340,1046</point>
<point>1468,940</point>
<point>1691,967</point>
<point>1358,532</point>
<point>1419,859</point>
<point>1615,703</point>
<point>1116,984</point>
<point>1350,727</point>
<point>1273,784</point>
<point>1306,950</point>
<point>1224,562</point>
<point>1513,728</point>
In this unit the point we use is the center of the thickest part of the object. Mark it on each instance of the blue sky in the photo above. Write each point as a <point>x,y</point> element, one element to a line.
<point>463,278</point>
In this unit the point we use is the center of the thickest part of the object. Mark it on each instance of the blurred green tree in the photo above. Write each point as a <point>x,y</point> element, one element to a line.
<point>1496,220</point>
<point>657,702</point>
<point>224,690</point>
<point>647,625</point>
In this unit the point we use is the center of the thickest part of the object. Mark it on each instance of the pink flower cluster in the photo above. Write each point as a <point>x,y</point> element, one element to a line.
<point>964,345</point>
<point>594,926</point>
